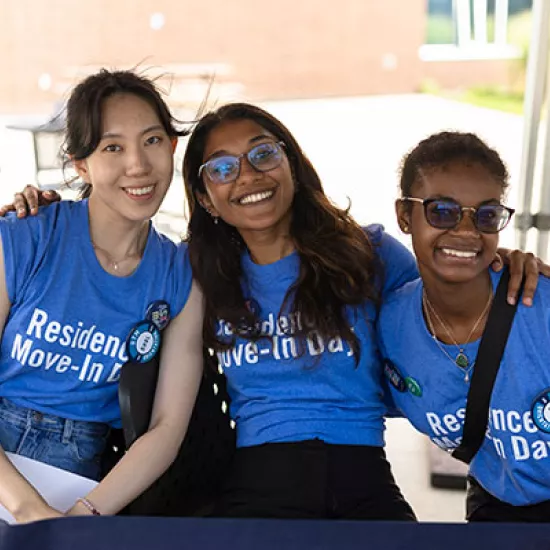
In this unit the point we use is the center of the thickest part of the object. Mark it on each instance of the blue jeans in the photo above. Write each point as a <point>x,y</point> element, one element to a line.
<point>71,445</point>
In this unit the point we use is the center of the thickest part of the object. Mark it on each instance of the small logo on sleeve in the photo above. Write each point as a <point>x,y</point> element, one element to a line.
<point>413,386</point>
<point>158,313</point>
<point>394,376</point>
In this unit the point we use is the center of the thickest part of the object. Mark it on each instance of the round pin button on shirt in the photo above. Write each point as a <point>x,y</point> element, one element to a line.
<point>143,342</point>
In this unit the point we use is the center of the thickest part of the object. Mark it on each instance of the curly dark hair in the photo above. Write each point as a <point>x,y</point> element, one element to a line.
<point>85,111</point>
<point>444,148</point>
<point>338,266</point>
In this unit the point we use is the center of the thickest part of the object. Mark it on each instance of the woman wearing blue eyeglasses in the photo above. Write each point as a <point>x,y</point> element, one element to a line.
<point>452,187</point>
<point>290,282</point>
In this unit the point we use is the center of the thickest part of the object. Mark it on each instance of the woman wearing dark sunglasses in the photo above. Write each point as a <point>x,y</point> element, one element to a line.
<point>452,187</point>
<point>291,285</point>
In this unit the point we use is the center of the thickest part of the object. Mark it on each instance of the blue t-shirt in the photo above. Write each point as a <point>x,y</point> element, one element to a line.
<point>513,462</point>
<point>280,395</point>
<point>64,340</point>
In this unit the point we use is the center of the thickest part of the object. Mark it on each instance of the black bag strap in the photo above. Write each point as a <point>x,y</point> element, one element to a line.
<point>489,355</point>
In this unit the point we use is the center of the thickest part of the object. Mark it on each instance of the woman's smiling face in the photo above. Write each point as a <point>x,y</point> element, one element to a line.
<point>463,252</point>
<point>255,200</point>
<point>131,169</point>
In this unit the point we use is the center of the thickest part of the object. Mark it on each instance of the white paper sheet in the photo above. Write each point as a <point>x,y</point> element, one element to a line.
<point>59,488</point>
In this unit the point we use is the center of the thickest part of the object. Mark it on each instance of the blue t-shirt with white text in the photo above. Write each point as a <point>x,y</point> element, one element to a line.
<point>64,340</point>
<point>280,393</point>
<point>513,463</point>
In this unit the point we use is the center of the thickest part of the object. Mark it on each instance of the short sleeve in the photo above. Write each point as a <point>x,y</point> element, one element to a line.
<point>24,243</point>
<point>398,264</point>
<point>183,277</point>
<point>392,410</point>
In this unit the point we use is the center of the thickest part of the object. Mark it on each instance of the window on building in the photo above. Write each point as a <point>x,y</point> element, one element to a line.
<point>441,23</point>
<point>481,26</point>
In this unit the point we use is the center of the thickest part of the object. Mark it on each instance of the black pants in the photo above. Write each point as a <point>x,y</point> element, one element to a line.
<point>312,479</point>
<point>483,506</point>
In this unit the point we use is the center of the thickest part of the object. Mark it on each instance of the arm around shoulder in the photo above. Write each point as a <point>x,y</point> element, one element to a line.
<point>399,264</point>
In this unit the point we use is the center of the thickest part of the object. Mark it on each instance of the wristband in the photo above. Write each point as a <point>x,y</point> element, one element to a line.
<point>93,510</point>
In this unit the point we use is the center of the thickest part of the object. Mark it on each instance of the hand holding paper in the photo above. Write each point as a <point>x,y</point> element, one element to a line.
<point>59,488</point>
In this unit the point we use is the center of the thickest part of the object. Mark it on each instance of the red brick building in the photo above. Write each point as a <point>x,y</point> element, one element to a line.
<point>260,50</point>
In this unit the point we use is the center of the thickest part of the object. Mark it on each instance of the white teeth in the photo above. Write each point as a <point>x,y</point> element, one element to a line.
<point>139,190</point>
<point>459,253</point>
<point>256,197</point>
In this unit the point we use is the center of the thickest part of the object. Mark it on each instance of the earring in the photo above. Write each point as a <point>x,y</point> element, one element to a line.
<point>405,229</point>
<point>214,218</point>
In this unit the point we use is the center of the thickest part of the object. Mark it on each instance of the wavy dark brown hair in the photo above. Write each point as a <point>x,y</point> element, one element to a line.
<point>338,264</point>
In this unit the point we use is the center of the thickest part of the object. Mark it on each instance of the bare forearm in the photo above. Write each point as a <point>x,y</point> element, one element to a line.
<point>177,387</point>
<point>144,463</point>
<point>17,495</point>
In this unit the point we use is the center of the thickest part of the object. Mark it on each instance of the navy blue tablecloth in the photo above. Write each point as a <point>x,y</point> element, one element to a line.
<point>138,533</point>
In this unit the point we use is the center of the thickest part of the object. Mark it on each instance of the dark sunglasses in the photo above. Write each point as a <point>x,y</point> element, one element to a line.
<point>226,168</point>
<point>447,214</point>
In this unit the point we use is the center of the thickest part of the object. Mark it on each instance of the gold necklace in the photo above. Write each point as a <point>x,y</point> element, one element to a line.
<point>111,262</point>
<point>115,264</point>
<point>461,360</point>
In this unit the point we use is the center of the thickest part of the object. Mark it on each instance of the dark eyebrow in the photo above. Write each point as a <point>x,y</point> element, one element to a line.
<point>154,127</point>
<point>445,198</point>
<point>259,138</point>
<point>251,141</point>
<point>440,198</point>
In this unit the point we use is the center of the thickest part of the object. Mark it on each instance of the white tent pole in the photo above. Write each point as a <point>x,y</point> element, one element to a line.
<point>542,220</point>
<point>534,91</point>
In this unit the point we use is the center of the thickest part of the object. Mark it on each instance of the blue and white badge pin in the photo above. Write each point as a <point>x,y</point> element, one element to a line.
<point>394,376</point>
<point>540,411</point>
<point>143,342</point>
<point>158,313</point>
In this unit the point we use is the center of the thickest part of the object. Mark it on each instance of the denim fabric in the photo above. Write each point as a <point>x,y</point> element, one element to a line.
<point>71,445</point>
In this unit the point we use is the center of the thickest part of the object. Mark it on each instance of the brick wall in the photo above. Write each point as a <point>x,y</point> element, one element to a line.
<point>273,49</point>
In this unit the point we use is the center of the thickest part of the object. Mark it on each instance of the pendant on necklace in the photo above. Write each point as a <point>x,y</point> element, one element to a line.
<point>461,360</point>
<point>467,377</point>
<point>115,265</point>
